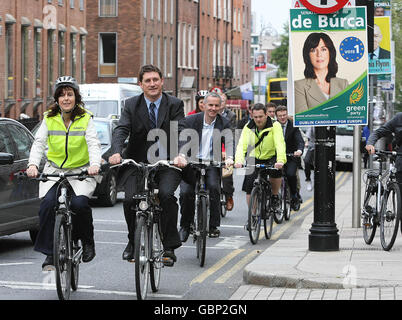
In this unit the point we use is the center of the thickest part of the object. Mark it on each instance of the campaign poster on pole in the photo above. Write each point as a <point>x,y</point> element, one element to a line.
<point>329,67</point>
<point>380,59</point>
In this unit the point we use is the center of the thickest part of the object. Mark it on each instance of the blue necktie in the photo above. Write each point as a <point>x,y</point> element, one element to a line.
<point>152,116</point>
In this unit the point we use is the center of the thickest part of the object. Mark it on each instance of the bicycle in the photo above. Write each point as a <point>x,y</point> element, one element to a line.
<point>202,205</point>
<point>222,199</point>
<point>260,204</point>
<point>148,252</point>
<point>381,187</point>
<point>66,252</point>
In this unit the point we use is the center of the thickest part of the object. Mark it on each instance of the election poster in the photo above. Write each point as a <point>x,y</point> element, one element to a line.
<point>329,67</point>
<point>380,59</point>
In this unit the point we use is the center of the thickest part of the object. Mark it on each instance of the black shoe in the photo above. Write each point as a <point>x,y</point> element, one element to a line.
<point>184,233</point>
<point>275,203</point>
<point>295,204</point>
<point>169,258</point>
<point>88,251</point>
<point>128,253</point>
<point>214,232</point>
<point>48,264</point>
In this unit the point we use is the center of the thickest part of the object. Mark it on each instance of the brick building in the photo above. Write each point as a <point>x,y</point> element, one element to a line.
<point>124,35</point>
<point>39,41</point>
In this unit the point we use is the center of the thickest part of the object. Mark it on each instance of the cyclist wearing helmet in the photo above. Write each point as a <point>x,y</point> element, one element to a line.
<point>69,135</point>
<point>199,102</point>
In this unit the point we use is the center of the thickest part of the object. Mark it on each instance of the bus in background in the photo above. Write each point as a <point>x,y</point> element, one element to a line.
<point>277,91</point>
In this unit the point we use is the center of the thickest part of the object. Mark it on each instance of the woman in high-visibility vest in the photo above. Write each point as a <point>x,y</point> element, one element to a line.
<point>68,137</point>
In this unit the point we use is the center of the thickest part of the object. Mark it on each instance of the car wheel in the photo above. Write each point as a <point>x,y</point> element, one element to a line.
<point>33,234</point>
<point>109,198</point>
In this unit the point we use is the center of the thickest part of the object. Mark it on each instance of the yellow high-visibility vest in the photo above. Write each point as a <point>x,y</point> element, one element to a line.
<point>67,147</point>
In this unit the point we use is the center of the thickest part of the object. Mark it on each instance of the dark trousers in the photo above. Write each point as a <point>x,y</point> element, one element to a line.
<point>227,186</point>
<point>290,170</point>
<point>187,199</point>
<point>82,221</point>
<point>168,180</point>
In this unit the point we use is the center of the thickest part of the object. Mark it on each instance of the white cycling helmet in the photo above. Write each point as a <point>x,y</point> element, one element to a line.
<point>66,81</point>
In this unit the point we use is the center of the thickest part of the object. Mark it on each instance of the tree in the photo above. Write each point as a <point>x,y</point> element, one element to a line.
<point>279,56</point>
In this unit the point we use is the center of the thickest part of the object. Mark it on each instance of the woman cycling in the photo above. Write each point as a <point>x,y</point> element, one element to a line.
<point>69,135</point>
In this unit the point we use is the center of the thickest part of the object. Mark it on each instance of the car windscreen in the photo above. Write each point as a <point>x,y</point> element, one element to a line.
<point>102,108</point>
<point>102,130</point>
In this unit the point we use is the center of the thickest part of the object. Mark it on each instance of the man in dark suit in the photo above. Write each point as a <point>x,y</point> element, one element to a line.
<point>205,125</point>
<point>295,145</point>
<point>143,115</point>
<point>378,52</point>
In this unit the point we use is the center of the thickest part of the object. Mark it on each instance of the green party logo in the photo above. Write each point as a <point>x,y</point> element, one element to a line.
<point>357,94</point>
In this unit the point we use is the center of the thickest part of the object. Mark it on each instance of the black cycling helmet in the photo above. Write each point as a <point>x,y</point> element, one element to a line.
<point>66,81</point>
<point>200,95</point>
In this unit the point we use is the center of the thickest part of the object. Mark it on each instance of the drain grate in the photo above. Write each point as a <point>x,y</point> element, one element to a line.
<point>367,248</point>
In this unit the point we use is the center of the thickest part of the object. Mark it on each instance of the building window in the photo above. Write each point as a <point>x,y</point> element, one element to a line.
<point>73,54</point>
<point>178,46</point>
<point>195,46</point>
<point>83,57</point>
<point>171,11</point>
<point>60,2</point>
<point>108,8</point>
<point>62,54</point>
<point>165,56</point>
<point>165,11</point>
<point>152,10</point>
<point>82,5</point>
<point>72,4</point>
<point>184,47</point>
<point>151,49</point>
<point>50,57</point>
<point>171,59</point>
<point>37,61</point>
<point>24,62</point>
<point>144,3</point>
<point>189,48</point>
<point>9,61</point>
<point>158,49</point>
<point>107,54</point>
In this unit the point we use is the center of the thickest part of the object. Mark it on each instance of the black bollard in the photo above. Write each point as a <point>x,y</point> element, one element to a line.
<point>324,233</point>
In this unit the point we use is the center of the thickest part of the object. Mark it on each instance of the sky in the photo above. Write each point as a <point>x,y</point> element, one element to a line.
<point>275,12</point>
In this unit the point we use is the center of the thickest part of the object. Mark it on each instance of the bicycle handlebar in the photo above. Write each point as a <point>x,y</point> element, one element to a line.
<point>44,177</point>
<point>208,163</point>
<point>165,163</point>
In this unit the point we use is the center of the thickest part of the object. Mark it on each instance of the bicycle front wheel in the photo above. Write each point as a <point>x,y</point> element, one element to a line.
<point>155,265</point>
<point>254,215</point>
<point>390,216</point>
<point>369,212</point>
<point>223,205</point>
<point>62,257</point>
<point>141,249</point>
<point>286,200</point>
<point>269,219</point>
<point>201,230</point>
<point>75,266</point>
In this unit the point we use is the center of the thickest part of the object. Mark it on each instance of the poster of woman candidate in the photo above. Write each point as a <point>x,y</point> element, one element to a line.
<point>329,67</point>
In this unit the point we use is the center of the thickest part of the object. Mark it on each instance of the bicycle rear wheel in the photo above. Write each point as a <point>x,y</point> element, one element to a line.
<point>223,205</point>
<point>390,216</point>
<point>155,265</point>
<point>286,200</point>
<point>61,252</point>
<point>369,213</point>
<point>201,229</point>
<point>269,218</point>
<point>279,214</point>
<point>254,215</point>
<point>141,249</point>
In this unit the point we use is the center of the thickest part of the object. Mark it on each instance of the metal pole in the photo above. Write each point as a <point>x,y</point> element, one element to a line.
<point>259,86</point>
<point>324,233</point>
<point>371,110</point>
<point>357,161</point>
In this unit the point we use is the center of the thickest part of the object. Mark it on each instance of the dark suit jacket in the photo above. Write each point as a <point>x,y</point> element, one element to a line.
<point>135,122</point>
<point>384,54</point>
<point>293,138</point>
<point>196,122</point>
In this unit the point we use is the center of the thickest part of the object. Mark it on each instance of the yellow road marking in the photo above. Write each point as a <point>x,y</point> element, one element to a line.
<point>216,266</point>
<point>237,267</point>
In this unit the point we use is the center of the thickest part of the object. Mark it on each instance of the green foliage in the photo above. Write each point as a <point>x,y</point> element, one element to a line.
<point>279,56</point>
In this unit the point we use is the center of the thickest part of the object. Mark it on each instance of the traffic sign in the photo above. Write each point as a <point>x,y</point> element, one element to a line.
<point>324,6</point>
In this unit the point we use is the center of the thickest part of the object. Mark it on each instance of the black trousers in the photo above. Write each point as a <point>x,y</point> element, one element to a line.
<point>82,221</point>
<point>187,198</point>
<point>290,171</point>
<point>168,180</point>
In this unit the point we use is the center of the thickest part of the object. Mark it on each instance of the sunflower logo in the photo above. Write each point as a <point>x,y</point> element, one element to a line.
<point>357,94</point>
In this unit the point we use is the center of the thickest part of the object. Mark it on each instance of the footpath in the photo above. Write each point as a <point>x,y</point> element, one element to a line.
<point>287,270</point>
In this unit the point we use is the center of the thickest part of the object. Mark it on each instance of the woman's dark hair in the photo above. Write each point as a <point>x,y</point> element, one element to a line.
<point>79,104</point>
<point>312,42</point>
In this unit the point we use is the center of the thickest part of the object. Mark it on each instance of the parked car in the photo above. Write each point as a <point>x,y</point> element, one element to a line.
<point>19,198</point>
<point>106,191</point>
